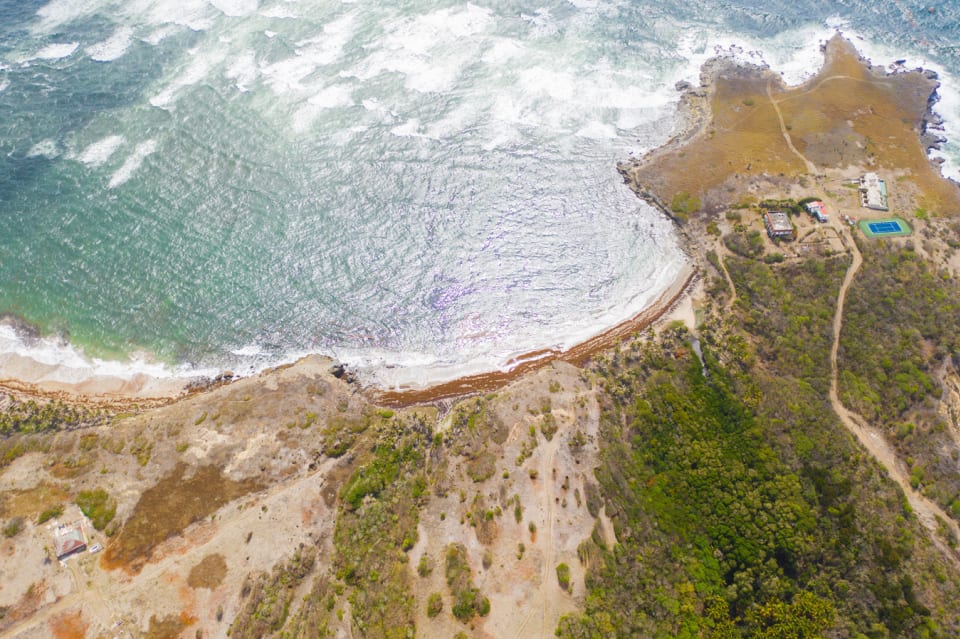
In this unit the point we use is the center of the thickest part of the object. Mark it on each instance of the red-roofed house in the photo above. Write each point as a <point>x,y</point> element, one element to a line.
<point>818,210</point>
<point>69,539</point>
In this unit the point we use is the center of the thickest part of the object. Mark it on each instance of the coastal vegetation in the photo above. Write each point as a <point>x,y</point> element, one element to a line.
<point>377,526</point>
<point>28,417</point>
<point>267,598</point>
<point>741,506</point>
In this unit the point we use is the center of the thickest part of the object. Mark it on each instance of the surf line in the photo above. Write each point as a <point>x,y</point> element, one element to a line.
<point>527,362</point>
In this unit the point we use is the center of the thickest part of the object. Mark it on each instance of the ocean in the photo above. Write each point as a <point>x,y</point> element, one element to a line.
<point>418,189</point>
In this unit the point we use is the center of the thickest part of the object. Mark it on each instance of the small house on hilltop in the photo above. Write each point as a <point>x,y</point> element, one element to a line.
<point>818,210</point>
<point>778,225</point>
<point>69,539</point>
<point>873,192</point>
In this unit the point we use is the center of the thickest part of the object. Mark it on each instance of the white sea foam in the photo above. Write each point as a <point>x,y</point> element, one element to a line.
<point>502,50</point>
<point>4,84</point>
<point>430,50</point>
<point>795,53</point>
<point>159,35</point>
<point>113,47</point>
<point>542,24</point>
<point>57,51</point>
<point>72,365</point>
<point>279,11</point>
<point>196,71</point>
<point>59,12</point>
<point>323,49</point>
<point>132,163</point>
<point>197,15</point>
<point>597,131</point>
<point>304,118</point>
<point>464,117</point>
<point>243,71</point>
<point>236,8</point>
<point>97,153</point>
<point>410,128</point>
<point>330,97</point>
<point>250,350</point>
<point>45,148</point>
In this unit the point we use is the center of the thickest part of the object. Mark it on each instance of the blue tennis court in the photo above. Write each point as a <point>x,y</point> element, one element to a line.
<point>882,228</point>
<point>892,227</point>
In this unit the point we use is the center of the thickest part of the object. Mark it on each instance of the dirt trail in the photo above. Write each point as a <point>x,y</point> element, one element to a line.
<point>929,513</point>
<point>722,253</point>
<point>548,464</point>
<point>550,589</point>
<point>811,167</point>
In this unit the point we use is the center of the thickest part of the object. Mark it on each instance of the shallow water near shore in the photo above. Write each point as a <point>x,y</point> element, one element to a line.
<point>423,191</point>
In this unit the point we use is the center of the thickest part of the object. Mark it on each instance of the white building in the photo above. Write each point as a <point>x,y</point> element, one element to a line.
<point>873,192</point>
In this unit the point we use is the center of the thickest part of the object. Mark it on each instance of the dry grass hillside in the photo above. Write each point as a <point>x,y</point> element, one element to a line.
<point>229,508</point>
<point>847,119</point>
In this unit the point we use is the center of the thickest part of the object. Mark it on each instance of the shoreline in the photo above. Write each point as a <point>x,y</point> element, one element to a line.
<point>28,379</point>
<point>528,362</point>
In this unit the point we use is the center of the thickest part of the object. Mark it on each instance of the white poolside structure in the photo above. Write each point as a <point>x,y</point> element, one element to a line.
<point>873,192</point>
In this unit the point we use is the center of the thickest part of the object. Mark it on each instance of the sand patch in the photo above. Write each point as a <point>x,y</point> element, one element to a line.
<point>209,573</point>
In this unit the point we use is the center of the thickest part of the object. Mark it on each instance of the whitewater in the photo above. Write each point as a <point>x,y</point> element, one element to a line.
<point>421,190</point>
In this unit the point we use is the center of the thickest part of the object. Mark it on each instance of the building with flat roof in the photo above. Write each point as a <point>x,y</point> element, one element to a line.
<point>778,225</point>
<point>873,192</point>
<point>818,210</point>
<point>69,539</point>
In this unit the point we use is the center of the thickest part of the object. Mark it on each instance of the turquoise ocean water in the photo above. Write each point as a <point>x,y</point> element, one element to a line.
<point>411,187</point>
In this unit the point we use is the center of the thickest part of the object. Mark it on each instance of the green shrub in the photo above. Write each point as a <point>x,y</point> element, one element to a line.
<point>548,426</point>
<point>50,513</point>
<point>745,244</point>
<point>13,527</point>
<point>683,204</point>
<point>434,604</point>
<point>482,466</point>
<point>563,576</point>
<point>468,601</point>
<point>425,567</point>
<point>97,506</point>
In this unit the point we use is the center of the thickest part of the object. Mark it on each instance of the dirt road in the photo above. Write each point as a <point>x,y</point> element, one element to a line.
<point>929,513</point>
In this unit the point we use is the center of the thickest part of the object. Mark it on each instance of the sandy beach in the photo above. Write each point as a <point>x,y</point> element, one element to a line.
<point>28,378</point>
